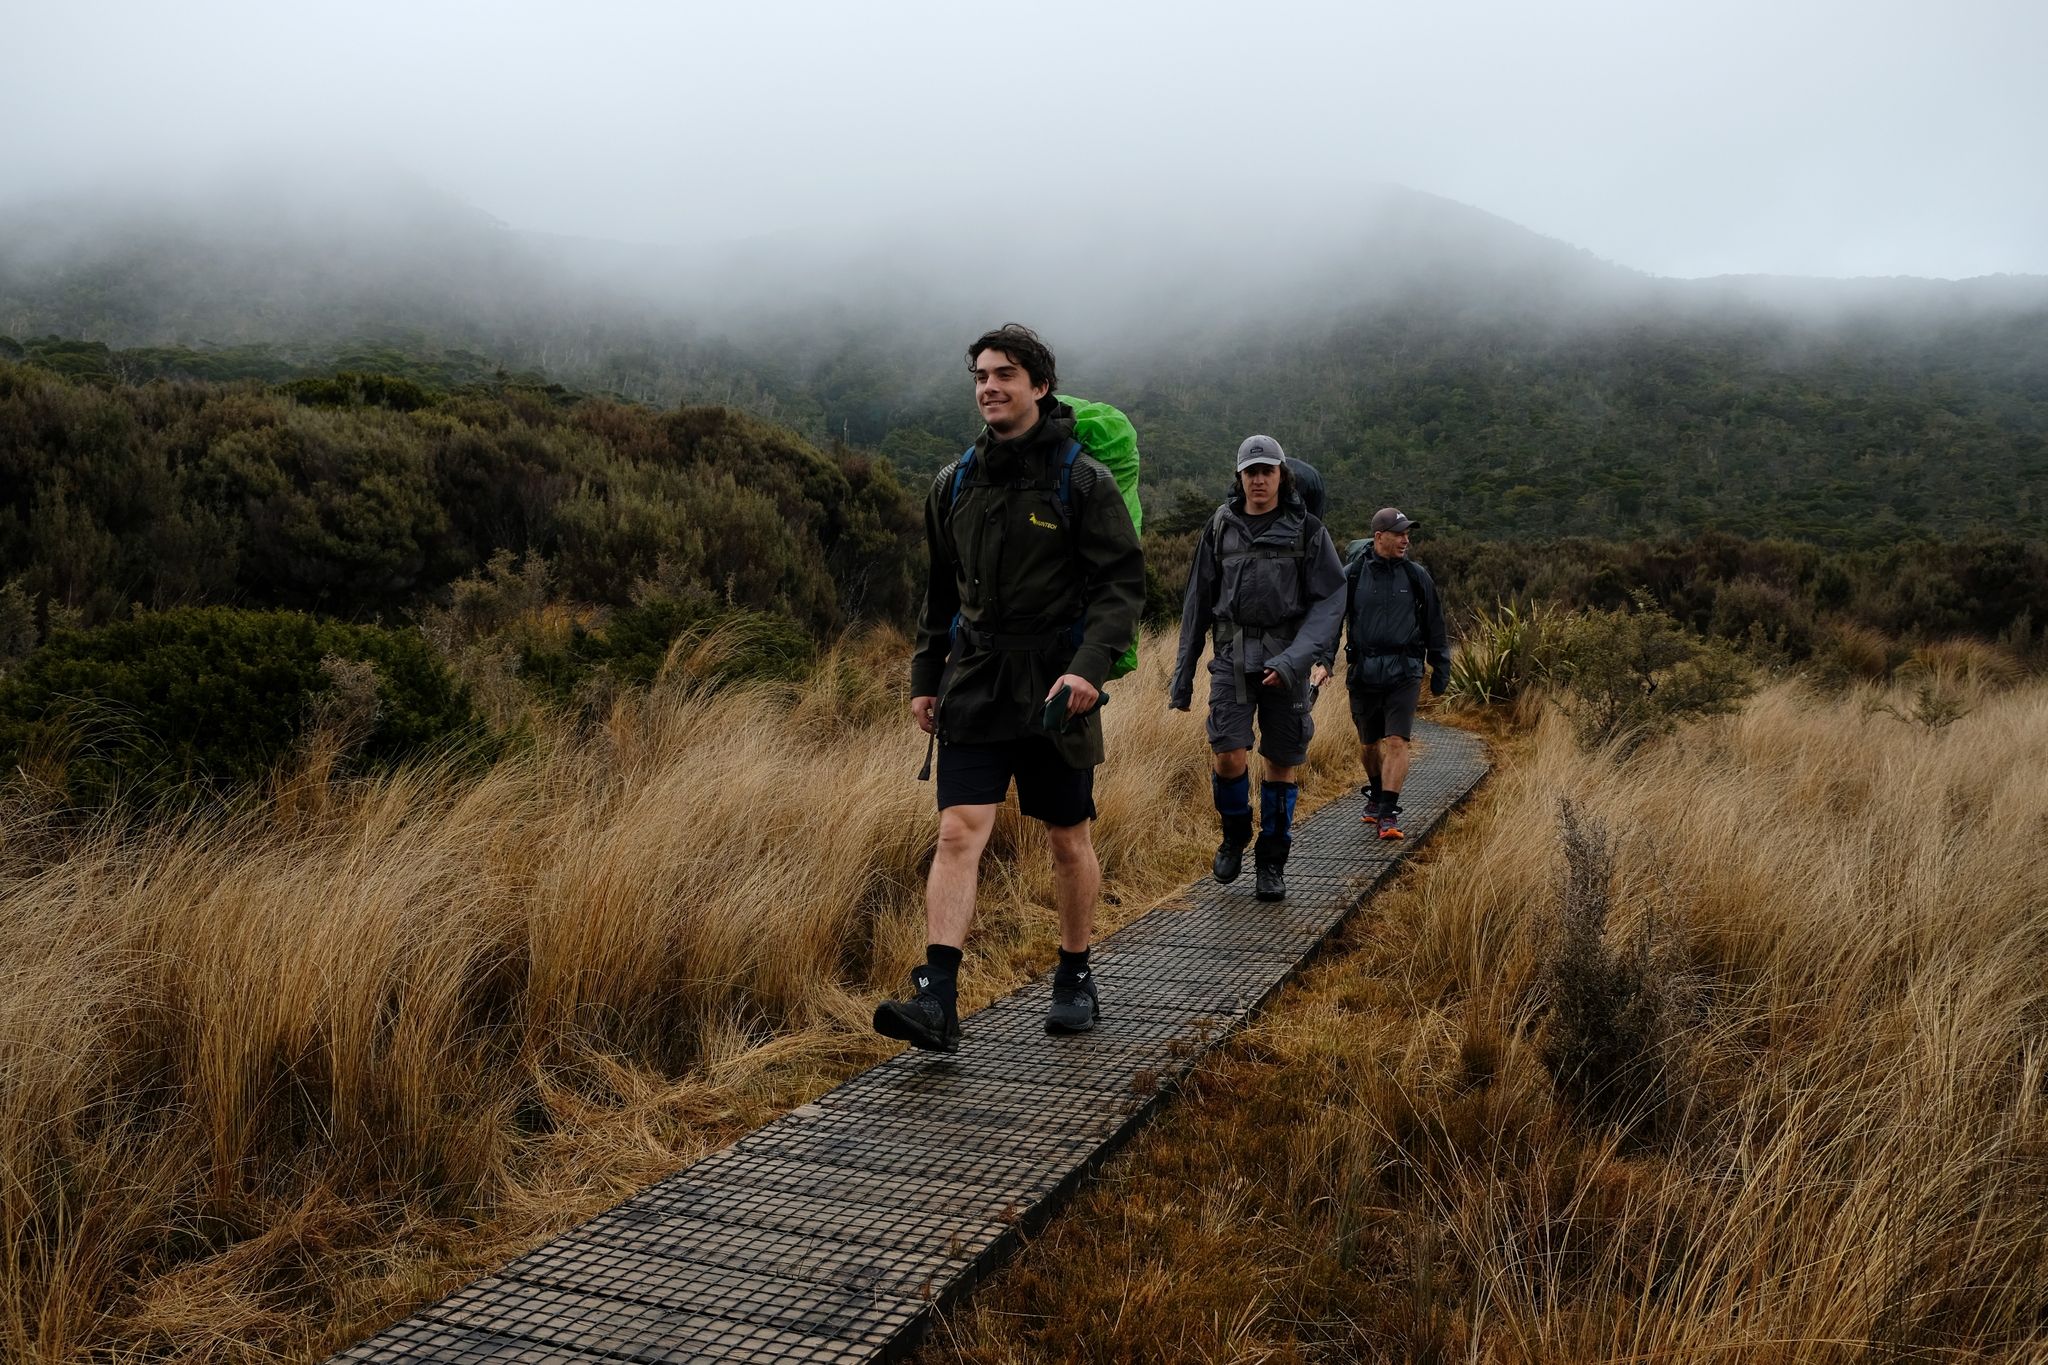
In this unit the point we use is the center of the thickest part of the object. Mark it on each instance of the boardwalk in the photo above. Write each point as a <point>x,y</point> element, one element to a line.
<point>831,1234</point>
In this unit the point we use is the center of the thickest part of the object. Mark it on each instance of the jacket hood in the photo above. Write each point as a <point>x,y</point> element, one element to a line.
<point>1290,497</point>
<point>1055,428</point>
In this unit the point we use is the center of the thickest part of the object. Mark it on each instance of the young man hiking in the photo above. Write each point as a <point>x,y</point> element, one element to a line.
<point>1396,622</point>
<point>1036,586</point>
<point>1267,580</point>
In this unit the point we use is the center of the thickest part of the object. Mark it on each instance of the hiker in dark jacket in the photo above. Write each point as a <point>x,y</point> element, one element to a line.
<point>1036,585</point>
<point>1267,581</point>
<point>1396,623</point>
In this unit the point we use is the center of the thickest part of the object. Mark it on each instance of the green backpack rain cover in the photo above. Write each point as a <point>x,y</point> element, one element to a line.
<point>1106,434</point>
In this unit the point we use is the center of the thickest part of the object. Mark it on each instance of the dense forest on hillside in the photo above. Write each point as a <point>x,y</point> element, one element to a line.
<point>367,494</point>
<point>1494,428</point>
<point>354,495</point>
<point>1642,429</point>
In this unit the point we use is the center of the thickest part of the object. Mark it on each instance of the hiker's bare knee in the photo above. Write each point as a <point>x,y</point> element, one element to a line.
<point>964,831</point>
<point>1072,845</point>
<point>1231,763</point>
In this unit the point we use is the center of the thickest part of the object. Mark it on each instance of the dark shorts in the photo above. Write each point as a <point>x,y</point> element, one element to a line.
<point>1283,730</point>
<point>1048,788</point>
<point>1382,711</point>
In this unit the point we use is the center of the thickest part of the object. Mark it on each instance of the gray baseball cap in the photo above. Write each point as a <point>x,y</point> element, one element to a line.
<point>1260,450</point>
<point>1393,519</point>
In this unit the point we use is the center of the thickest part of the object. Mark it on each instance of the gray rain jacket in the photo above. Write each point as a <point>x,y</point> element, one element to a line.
<point>1279,597</point>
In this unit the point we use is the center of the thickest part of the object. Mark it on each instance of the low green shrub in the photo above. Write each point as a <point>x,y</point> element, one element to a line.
<point>17,626</point>
<point>1630,675</point>
<point>203,702</point>
<point>1765,618</point>
<point>349,389</point>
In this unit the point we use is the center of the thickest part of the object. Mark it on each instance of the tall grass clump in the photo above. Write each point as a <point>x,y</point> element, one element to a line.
<point>1743,1061</point>
<point>278,1071</point>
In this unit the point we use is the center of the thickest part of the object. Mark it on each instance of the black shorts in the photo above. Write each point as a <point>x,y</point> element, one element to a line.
<point>1382,711</point>
<point>1048,788</point>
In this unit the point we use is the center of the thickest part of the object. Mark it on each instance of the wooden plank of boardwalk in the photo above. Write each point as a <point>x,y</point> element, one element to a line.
<point>832,1234</point>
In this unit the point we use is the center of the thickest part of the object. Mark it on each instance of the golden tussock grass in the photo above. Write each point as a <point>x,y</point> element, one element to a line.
<point>268,1081</point>
<point>1847,916</point>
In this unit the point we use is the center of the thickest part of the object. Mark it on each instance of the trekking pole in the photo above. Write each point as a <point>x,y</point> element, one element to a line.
<point>931,744</point>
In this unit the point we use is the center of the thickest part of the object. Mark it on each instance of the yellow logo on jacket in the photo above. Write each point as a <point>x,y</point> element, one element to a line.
<point>1048,525</point>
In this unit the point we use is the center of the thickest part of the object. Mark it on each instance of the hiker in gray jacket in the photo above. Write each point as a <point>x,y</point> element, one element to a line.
<point>1268,583</point>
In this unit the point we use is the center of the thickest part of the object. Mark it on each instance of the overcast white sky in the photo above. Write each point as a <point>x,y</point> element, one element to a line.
<point>1803,136</point>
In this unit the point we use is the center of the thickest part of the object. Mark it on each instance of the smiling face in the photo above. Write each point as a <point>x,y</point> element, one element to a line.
<point>1390,544</point>
<point>1005,394</point>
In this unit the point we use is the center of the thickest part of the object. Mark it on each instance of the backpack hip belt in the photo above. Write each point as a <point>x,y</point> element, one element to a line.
<point>1232,633</point>
<point>1001,641</point>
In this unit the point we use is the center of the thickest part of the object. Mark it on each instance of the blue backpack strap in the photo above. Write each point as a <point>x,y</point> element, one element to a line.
<point>1066,488</point>
<point>952,499</point>
<point>959,477</point>
<point>1065,493</point>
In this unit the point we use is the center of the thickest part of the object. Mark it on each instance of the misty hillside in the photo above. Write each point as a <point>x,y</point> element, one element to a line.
<point>227,262</point>
<point>1417,349</point>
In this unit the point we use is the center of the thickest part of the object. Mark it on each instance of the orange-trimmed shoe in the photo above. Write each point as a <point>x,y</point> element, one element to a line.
<point>1390,827</point>
<point>1372,811</point>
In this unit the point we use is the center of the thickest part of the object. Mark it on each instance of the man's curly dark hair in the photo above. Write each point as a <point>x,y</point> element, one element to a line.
<point>1022,345</point>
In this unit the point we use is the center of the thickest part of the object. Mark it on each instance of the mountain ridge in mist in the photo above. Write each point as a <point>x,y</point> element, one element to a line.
<point>248,259</point>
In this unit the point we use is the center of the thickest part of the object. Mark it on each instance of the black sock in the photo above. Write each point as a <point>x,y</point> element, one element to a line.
<point>1389,800</point>
<point>1073,966</point>
<point>942,970</point>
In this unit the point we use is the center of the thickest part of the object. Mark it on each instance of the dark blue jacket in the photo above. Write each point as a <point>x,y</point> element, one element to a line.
<point>1395,620</point>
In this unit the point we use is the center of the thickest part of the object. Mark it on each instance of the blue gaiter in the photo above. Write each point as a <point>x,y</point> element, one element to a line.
<point>1276,811</point>
<point>1233,794</point>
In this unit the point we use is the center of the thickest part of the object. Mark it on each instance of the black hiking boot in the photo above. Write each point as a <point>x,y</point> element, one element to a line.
<point>1269,861</point>
<point>927,1019</point>
<point>1237,832</point>
<point>1075,1006</point>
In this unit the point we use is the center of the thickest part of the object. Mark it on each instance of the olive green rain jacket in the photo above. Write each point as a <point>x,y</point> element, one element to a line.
<point>1017,596</point>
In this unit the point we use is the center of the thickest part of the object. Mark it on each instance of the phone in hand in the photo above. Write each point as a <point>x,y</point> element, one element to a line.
<point>1052,718</point>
